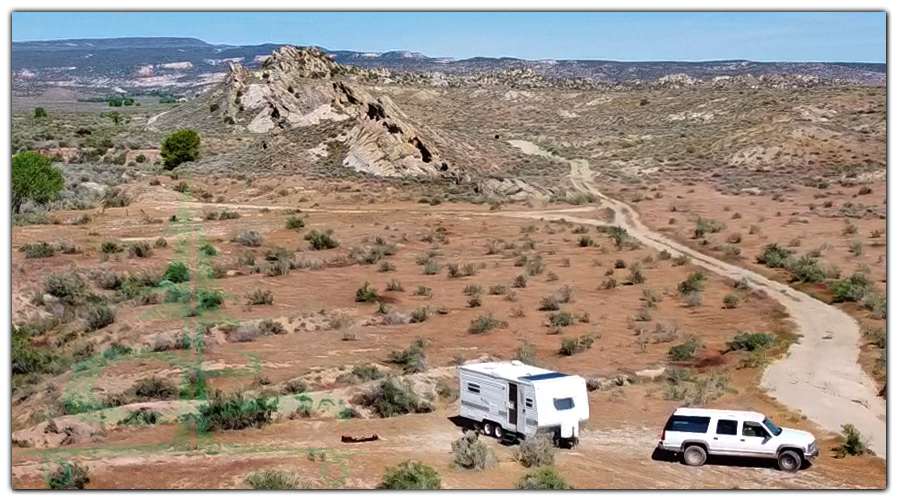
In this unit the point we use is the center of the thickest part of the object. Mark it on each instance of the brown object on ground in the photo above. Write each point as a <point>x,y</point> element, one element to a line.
<point>346,438</point>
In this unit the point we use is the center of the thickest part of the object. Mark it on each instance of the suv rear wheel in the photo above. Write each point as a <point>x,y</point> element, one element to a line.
<point>789,461</point>
<point>694,455</point>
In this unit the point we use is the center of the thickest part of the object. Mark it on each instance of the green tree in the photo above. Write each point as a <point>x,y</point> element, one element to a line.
<point>181,146</point>
<point>114,116</point>
<point>34,179</point>
<point>40,113</point>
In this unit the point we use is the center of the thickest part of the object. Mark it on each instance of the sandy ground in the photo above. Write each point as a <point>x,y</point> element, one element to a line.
<point>831,394</point>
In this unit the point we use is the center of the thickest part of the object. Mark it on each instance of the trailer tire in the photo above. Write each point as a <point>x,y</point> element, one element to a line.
<point>487,428</point>
<point>498,431</point>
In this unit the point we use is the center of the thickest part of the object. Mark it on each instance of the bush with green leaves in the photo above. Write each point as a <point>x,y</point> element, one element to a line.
<point>411,475</point>
<point>636,276</point>
<point>321,240</point>
<point>485,323</point>
<point>390,398</point>
<point>562,318</point>
<point>585,241</point>
<point>748,341</point>
<point>545,478</point>
<point>209,299</point>
<point>693,283</point>
<point>807,269</point>
<point>852,443</point>
<point>68,476</point>
<point>411,359</point>
<point>686,351</point>
<point>774,256</point>
<point>34,180</point>
<point>233,412</point>
<point>852,289</point>
<point>177,272</point>
<point>366,293</point>
<point>179,147</point>
<point>731,300</point>
<point>274,479</point>
<point>420,314</point>
<point>470,453</point>
<point>294,222</point>
<point>536,451</point>
<point>209,250</point>
<point>39,250</point>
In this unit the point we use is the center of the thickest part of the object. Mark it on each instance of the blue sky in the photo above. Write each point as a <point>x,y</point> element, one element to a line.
<point>625,36</point>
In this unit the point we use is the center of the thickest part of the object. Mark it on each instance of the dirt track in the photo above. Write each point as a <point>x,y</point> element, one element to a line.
<point>820,376</point>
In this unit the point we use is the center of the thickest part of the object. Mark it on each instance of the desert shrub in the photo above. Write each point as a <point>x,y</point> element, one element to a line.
<point>681,260</point>
<point>392,286</point>
<point>321,240</point>
<point>549,303</point>
<point>571,347</point>
<point>562,318</point>
<point>180,146</point>
<point>209,299</point>
<point>651,297</point>
<point>849,228</point>
<point>470,453</point>
<point>457,271</point>
<point>852,443</point>
<point>260,297</point>
<point>497,290</point>
<point>637,275</point>
<point>875,302</point>
<point>693,299</point>
<point>526,353</point>
<point>774,256</point>
<point>366,293</point>
<point>877,336</point>
<point>387,266</point>
<point>472,289</point>
<point>731,300</point>
<point>209,250</point>
<point>423,291</point>
<point>734,238</point>
<point>420,315</point>
<point>248,239</point>
<point>808,270</point>
<point>247,259</point>
<point>430,267</point>
<point>68,476</point>
<point>38,250</point>
<point>294,222</point>
<point>747,341</point>
<point>97,316</point>
<point>535,451</point>
<point>390,398</point>
<point>545,478</point>
<point>520,282</point>
<point>485,323</point>
<point>69,288</point>
<point>141,417</point>
<point>410,475</point>
<point>140,249</point>
<point>685,351</point>
<point>535,266</point>
<point>620,264</point>
<point>160,242</point>
<point>585,241</point>
<point>233,412</point>
<point>108,247</point>
<point>411,359</point>
<point>609,284</point>
<point>693,283</point>
<point>850,290</point>
<point>273,479</point>
<point>177,272</point>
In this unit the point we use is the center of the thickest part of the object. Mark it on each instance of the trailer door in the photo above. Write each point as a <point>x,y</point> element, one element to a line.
<point>513,407</point>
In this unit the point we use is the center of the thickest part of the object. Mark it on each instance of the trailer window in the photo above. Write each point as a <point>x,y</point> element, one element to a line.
<point>529,403</point>
<point>474,388</point>
<point>563,403</point>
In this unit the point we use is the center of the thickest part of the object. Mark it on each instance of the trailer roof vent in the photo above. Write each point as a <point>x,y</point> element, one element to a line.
<point>516,363</point>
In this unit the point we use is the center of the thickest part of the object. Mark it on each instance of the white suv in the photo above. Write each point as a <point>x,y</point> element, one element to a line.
<point>697,433</point>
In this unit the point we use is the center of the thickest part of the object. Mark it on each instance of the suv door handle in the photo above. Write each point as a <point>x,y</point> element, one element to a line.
<point>742,440</point>
<point>715,438</point>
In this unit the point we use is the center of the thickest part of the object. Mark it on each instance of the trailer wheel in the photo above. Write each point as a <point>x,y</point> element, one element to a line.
<point>488,429</point>
<point>498,432</point>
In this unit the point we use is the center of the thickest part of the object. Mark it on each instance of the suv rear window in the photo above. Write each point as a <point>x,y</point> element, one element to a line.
<point>686,423</point>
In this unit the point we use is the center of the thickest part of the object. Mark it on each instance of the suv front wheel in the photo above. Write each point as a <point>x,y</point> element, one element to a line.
<point>694,455</point>
<point>789,461</point>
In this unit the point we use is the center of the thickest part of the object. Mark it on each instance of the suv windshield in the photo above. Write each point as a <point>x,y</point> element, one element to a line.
<point>774,429</point>
<point>563,403</point>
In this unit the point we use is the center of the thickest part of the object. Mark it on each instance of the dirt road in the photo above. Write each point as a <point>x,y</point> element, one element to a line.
<point>820,376</point>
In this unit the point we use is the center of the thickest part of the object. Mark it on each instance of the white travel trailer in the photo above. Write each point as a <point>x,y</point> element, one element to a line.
<point>516,400</point>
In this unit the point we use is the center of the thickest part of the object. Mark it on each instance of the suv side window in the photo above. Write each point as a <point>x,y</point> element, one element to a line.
<point>753,429</point>
<point>727,428</point>
<point>686,423</point>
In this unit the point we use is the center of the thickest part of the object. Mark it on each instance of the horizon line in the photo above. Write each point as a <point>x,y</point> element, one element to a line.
<point>455,58</point>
